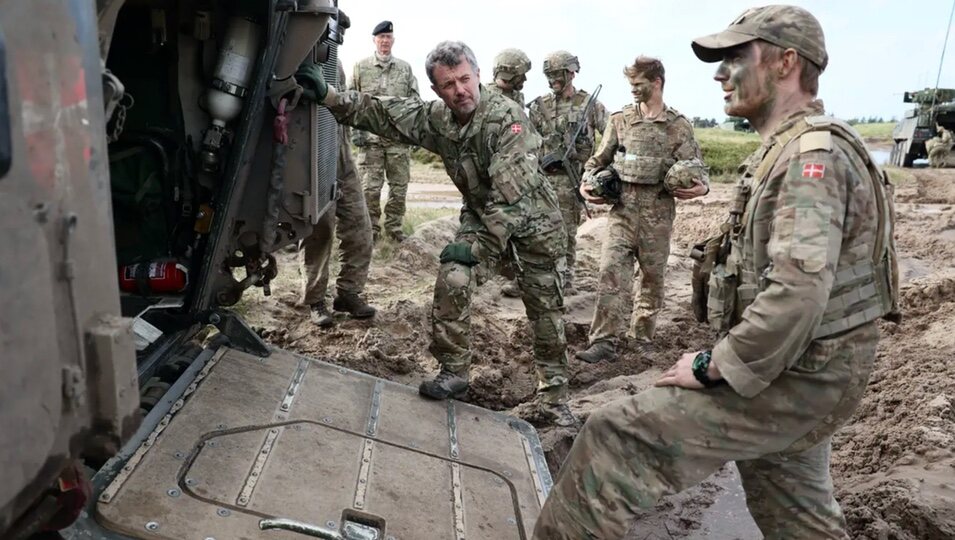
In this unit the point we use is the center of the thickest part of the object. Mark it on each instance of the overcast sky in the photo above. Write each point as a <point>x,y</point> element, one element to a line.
<point>877,48</point>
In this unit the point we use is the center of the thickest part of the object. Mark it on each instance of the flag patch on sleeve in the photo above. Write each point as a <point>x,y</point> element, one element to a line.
<point>516,128</point>
<point>813,170</point>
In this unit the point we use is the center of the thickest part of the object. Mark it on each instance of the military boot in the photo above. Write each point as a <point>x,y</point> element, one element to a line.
<point>446,385</point>
<point>511,289</point>
<point>597,352</point>
<point>352,304</point>
<point>397,236</point>
<point>558,414</point>
<point>320,315</point>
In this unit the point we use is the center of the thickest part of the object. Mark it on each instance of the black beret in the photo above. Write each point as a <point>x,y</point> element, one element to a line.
<point>383,27</point>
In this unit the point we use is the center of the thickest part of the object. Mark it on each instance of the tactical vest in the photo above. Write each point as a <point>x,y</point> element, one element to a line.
<point>643,151</point>
<point>860,293</point>
<point>557,125</point>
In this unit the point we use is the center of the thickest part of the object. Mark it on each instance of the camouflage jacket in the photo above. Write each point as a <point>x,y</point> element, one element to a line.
<point>492,160</point>
<point>514,95</point>
<point>804,251</point>
<point>557,118</point>
<point>382,78</point>
<point>642,150</point>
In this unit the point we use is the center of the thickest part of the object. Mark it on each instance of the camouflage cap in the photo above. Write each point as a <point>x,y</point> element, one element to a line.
<point>510,63</point>
<point>684,173</point>
<point>784,26</point>
<point>560,60</point>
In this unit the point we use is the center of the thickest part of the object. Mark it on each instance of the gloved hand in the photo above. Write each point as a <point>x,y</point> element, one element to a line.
<point>310,77</point>
<point>459,252</point>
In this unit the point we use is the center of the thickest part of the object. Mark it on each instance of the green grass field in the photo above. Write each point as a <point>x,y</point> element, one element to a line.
<point>723,150</point>
<point>881,130</point>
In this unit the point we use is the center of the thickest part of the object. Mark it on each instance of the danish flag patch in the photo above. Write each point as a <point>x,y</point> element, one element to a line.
<point>516,128</point>
<point>813,170</point>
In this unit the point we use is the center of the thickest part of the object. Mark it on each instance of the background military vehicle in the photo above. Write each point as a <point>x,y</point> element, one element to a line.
<point>933,106</point>
<point>149,166</point>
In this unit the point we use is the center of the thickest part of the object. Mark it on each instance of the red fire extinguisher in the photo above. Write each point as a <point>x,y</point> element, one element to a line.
<point>155,277</point>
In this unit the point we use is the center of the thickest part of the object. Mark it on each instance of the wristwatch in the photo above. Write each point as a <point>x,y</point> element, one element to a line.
<point>701,365</point>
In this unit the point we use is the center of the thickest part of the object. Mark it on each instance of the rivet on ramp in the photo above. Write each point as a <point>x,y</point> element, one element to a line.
<point>152,526</point>
<point>330,524</point>
<point>191,481</point>
<point>223,512</point>
<point>511,521</point>
<point>173,492</point>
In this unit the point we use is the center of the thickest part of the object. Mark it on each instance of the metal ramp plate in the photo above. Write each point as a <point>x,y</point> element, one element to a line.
<point>287,437</point>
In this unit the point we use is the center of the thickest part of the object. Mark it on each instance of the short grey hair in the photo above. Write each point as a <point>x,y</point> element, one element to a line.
<point>449,53</point>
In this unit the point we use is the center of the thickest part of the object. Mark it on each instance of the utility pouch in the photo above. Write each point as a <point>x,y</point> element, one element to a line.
<point>705,256</point>
<point>721,303</point>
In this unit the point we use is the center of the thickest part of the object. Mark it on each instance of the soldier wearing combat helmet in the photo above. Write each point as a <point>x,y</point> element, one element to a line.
<point>510,74</point>
<point>556,117</point>
<point>809,271</point>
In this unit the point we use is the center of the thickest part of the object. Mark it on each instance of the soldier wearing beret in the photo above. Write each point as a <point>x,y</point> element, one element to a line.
<point>808,273</point>
<point>381,159</point>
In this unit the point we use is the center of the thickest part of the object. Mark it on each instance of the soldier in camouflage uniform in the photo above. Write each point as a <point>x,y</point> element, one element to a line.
<point>510,218</point>
<point>810,268</point>
<point>510,74</point>
<point>642,143</point>
<point>939,147</point>
<point>379,158</point>
<point>348,220</point>
<point>556,117</point>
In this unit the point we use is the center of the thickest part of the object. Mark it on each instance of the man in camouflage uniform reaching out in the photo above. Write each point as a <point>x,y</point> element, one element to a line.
<point>556,117</point>
<point>510,74</point>
<point>808,274</point>
<point>379,158</point>
<point>510,216</point>
<point>642,143</point>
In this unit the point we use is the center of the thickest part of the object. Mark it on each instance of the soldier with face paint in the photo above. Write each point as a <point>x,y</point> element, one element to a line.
<point>556,117</point>
<point>642,143</point>
<point>796,302</point>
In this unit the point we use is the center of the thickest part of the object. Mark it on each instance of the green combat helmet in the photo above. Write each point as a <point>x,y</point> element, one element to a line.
<point>510,64</point>
<point>605,183</point>
<point>561,60</point>
<point>684,173</point>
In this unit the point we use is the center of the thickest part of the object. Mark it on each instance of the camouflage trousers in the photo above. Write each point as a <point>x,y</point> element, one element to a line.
<point>633,451</point>
<point>376,163</point>
<point>348,219</point>
<point>639,227</point>
<point>570,208</point>
<point>938,156</point>
<point>538,276</point>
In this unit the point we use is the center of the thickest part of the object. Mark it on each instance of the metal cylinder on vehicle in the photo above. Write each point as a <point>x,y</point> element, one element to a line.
<point>230,80</point>
<point>157,277</point>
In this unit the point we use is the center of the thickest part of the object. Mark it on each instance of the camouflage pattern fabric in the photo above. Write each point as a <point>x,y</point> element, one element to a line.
<point>510,216</point>
<point>382,159</point>
<point>640,224</point>
<point>514,95</point>
<point>812,215</point>
<point>939,148</point>
<point>556,119</point>
<point>348,220</point>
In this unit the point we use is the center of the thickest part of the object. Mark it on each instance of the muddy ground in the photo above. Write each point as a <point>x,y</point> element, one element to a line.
<point>893,464</point>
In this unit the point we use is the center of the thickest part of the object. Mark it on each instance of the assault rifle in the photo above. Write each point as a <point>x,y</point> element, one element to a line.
<point>551,163</point>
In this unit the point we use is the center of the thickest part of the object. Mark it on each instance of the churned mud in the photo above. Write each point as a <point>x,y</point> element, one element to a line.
<point>893,463</point>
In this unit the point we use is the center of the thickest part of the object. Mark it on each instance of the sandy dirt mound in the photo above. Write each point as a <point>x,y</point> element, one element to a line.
<point>893,464</point>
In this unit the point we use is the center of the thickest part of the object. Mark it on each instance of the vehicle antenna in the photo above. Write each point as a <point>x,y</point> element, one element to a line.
<point>942,60</point>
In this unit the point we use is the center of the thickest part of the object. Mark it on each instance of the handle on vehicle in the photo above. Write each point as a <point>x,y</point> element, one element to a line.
<point>6,149</point>
<point>300,527</point>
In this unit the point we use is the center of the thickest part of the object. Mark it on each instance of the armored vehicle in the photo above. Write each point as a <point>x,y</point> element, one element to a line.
<point>152,158</point>
<point>933,106</point>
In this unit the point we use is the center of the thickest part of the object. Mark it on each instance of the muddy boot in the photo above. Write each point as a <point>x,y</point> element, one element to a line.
<point>397,236</point>
<point>352,304</point>
<point>559,415</point>
<point>597,352</point>
<point>320,315</point>
<point>446,385</point>
<point>511,289</point>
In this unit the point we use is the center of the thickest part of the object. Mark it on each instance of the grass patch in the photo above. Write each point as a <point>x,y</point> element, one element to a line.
<point>879,130</point>
<point>425,157</point>
<point>414,218</point>
<point>723,150</point>
<point>899,176</point>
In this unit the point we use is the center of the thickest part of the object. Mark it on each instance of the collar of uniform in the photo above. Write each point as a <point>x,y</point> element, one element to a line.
<point>813,108</point>
<point>382,60</point>
<point>638,117</point>
<point>449,127</point>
